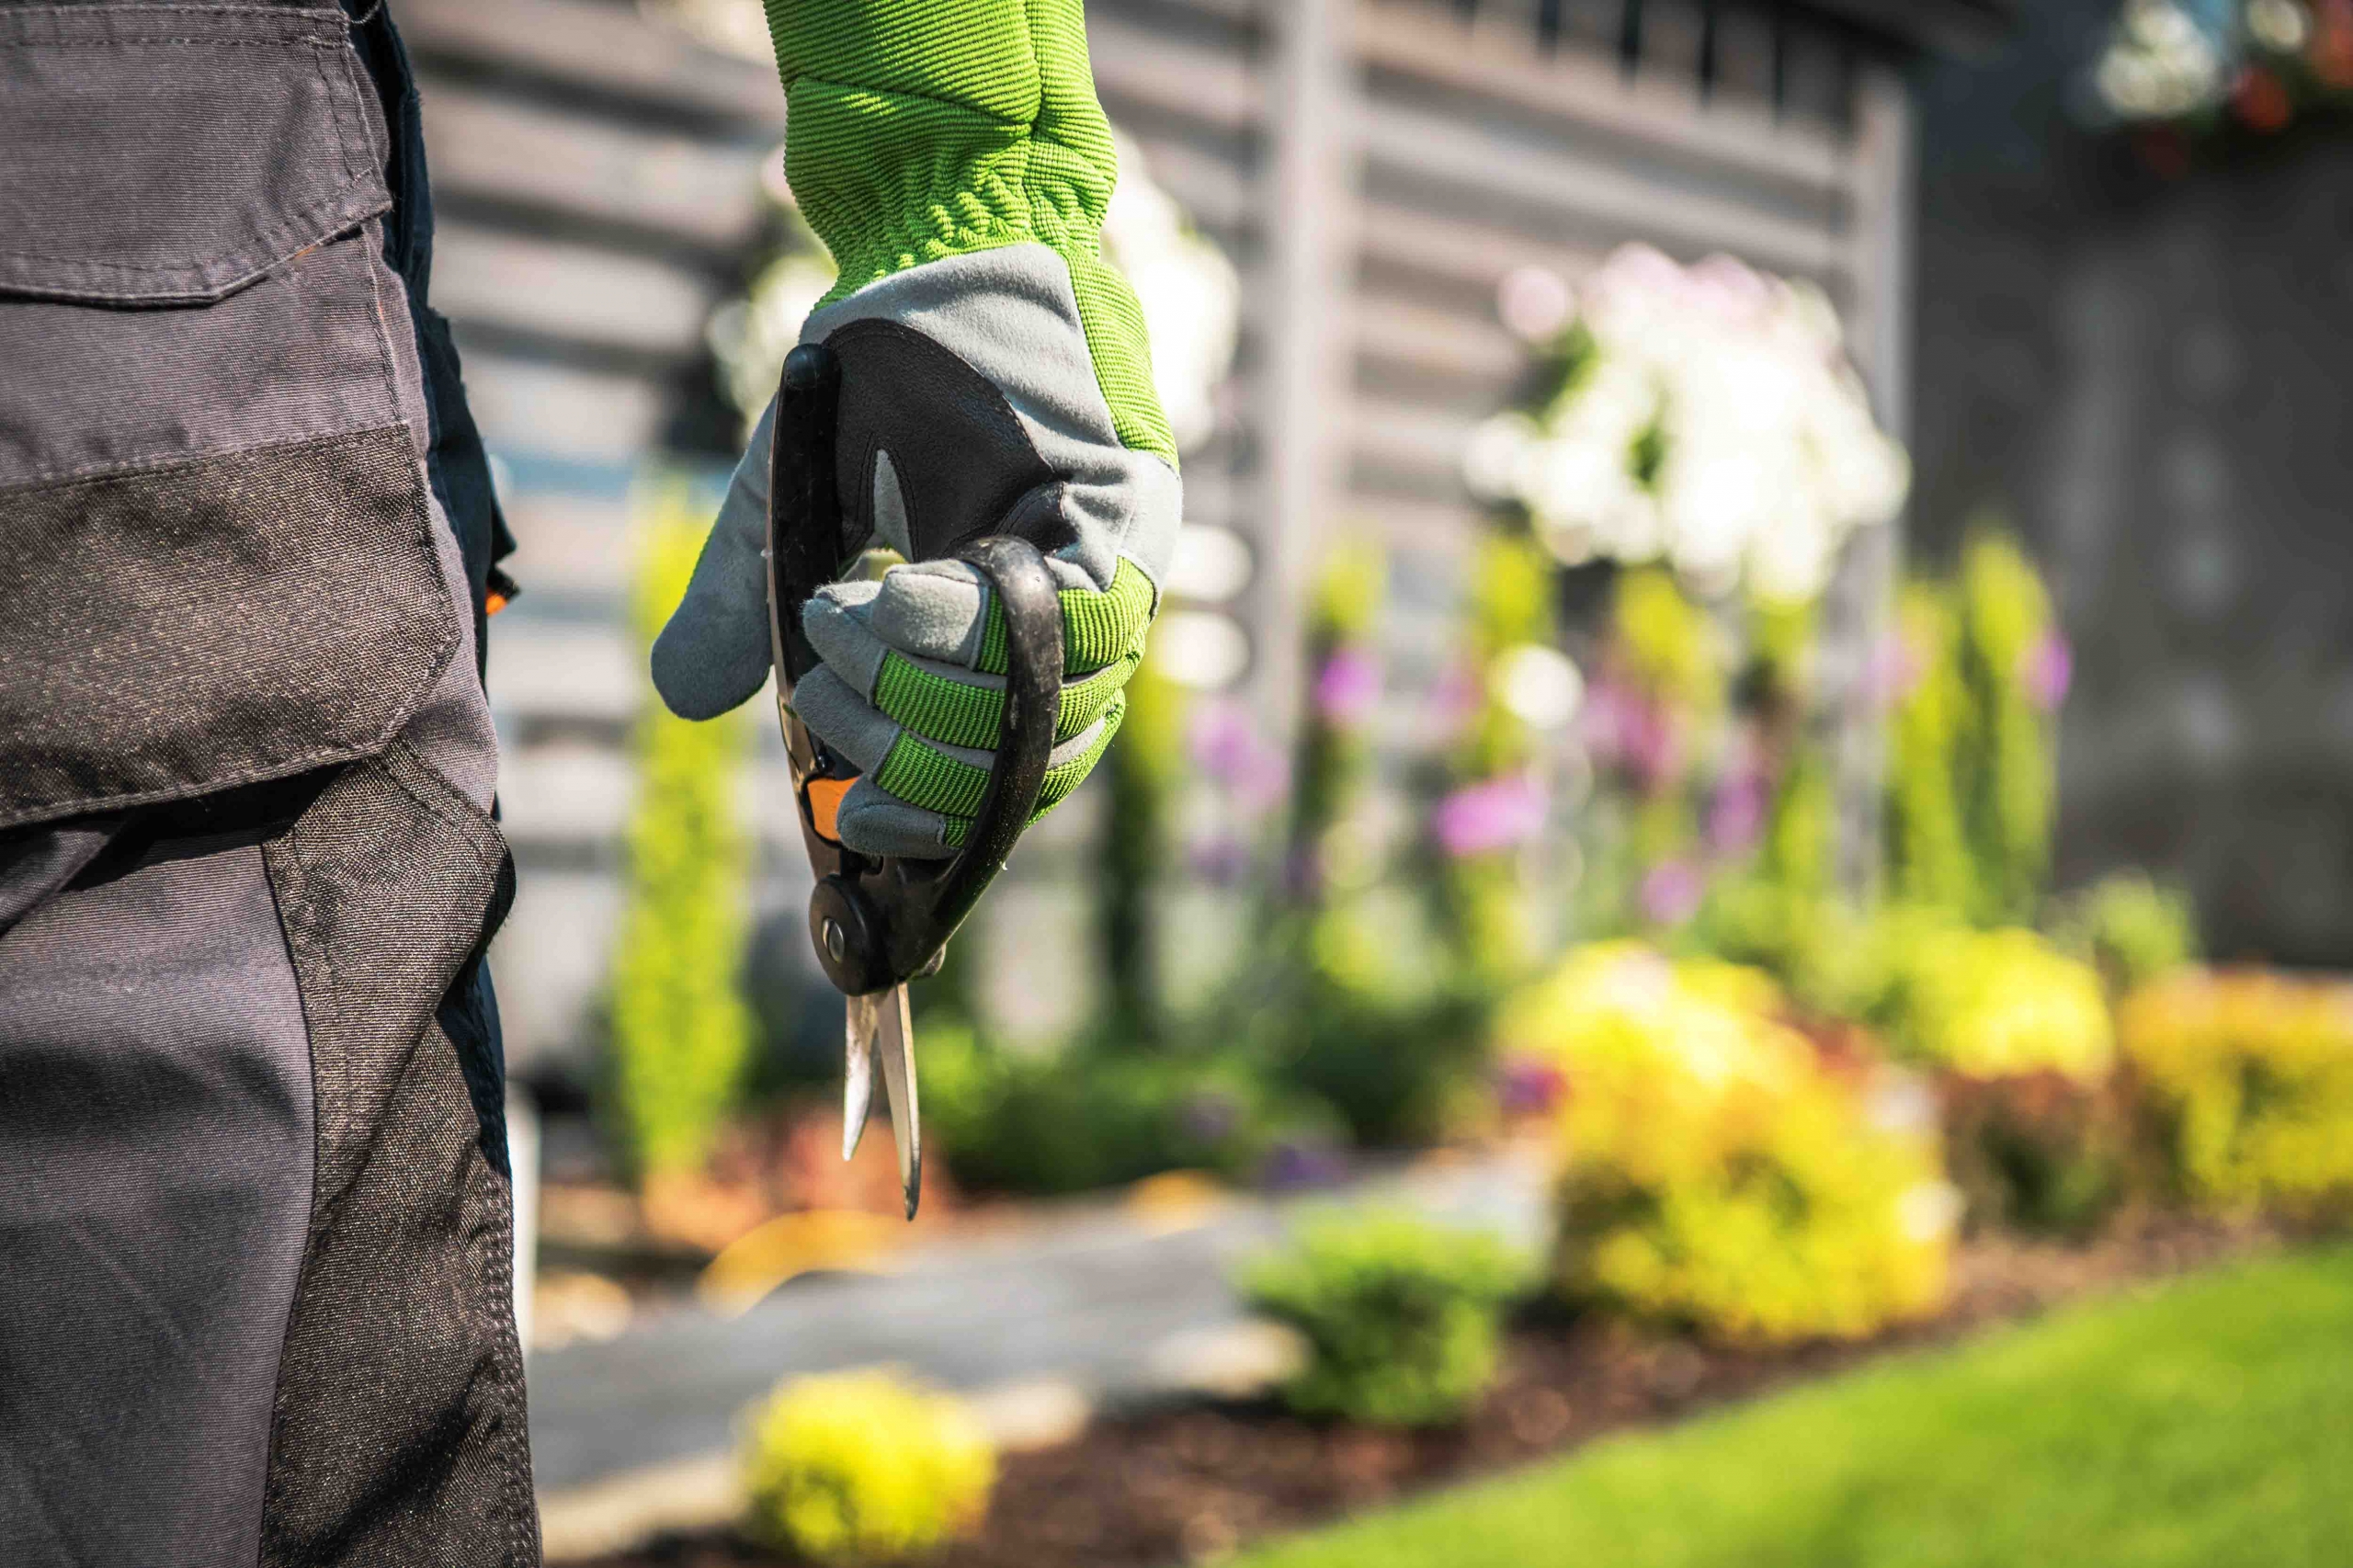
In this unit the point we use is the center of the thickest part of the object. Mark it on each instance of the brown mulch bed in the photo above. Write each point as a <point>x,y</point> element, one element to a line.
<point>1192,1484</point>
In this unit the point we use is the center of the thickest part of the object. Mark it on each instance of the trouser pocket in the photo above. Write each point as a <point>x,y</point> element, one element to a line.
<point>217,558</point>
<point>399,1434</point>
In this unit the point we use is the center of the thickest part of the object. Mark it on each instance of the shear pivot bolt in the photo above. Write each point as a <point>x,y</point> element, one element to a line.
<point>837,940</point>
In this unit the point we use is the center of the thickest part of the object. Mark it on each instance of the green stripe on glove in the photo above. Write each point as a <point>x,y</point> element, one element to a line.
<point>931,780</point>
<point>1097,628</point>
<point>962,714</point>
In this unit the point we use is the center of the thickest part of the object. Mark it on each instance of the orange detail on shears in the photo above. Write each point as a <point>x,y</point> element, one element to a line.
<point>493,602</point>
<point>825,804</point>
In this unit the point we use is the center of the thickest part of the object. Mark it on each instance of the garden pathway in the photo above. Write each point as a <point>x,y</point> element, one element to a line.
<point>1119,1302</point>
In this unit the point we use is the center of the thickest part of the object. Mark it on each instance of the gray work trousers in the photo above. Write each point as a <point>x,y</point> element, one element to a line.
<point>254,1218</point>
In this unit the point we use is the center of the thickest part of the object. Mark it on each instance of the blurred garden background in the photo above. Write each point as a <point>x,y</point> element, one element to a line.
<point>1744,764</point>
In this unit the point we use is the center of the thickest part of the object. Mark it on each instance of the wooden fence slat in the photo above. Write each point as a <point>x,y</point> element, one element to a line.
<point>1591,195</point>
<point>1586,90</point>
<point>1308,187</point>
<point>566,794</point>
<point>1404,436</point>
<point>1443,528</point>
<point>573,545</point>
<point>1135,66</point>
<point>559,410</point>
<point>1436,342</point>
<point>569,291</point>
<point>487,144</point>
<point>553,670</point>
<point>1461,252</point>
<point>607,48</point>
<point>1218,195</point>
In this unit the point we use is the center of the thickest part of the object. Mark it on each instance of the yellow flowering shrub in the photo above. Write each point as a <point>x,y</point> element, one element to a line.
<point>1982,1004</point>
<point>2020,1036</point>
<point>859,1466</point>
<point>2251,1078</point>
<point>1718,1173</point>
<point>1995,1004</point>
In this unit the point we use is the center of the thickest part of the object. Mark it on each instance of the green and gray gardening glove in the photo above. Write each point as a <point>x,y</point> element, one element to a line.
<point>995,379</point>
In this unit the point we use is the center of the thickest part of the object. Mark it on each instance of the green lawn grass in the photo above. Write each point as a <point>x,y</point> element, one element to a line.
<point>2205,1424</point>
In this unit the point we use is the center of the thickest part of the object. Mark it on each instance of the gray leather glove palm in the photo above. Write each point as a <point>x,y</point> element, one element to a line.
<point>969,405</point>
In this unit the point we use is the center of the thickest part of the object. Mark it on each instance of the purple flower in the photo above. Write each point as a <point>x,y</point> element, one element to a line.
<point>1298,1163</point>
<point>1624,726</point>
<point>1227,747</point>
<point>1221,861</point>
<point>1604,721</point>
<point>1454,697</point>
<point>1497,814</point>
<point>2049,670</point>
<point>1653,746</point>
<point>1894,671</point>
<point>1349,687</point>
<point>1671,892</point>
<point>1529,1086</point>
<point>1736,816</point>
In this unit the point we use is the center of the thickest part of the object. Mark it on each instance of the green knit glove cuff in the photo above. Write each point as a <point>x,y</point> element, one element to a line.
<point>919,130</point>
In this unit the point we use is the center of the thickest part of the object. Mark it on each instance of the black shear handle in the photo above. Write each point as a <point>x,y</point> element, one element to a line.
<point>879,923</point>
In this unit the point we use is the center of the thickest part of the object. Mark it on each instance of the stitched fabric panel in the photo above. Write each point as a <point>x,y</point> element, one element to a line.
<point>399,1437</point>
<point>214,622</point>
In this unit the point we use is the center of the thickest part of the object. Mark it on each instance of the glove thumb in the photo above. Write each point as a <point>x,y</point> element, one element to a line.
<point>713,654</point>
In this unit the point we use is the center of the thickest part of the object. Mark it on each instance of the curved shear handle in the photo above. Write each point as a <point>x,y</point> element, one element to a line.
<point>879,923</point>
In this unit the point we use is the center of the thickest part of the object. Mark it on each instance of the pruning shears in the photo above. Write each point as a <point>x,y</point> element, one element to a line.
<point>879,923</point>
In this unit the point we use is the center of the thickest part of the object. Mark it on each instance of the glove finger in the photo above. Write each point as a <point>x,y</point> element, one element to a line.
<point>932,609</point>
<point>713,653</point>
<point>941,701</point>
<point>942,611</point>
<point>869,819</point>
<point>875,819</point>
<point>938,705</point>
<point>872,823</point>
<point>952,780</point>
<point>844,720</point>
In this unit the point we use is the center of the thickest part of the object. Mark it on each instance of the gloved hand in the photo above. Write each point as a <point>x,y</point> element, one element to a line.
<point>969,404</point>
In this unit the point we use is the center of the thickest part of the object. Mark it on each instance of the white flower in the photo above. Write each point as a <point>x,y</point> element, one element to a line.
<point>1716,426</point>
<point>2160,64</point>
<point>1534,302</point>
<point>731,27</point>
<point>1490,458</point>
<point>1539,685</point>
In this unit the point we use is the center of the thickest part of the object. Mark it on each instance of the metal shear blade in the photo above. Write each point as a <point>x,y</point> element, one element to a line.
<point>879,1029</point>
<point>879,922</point>
<point>862,1021</point>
